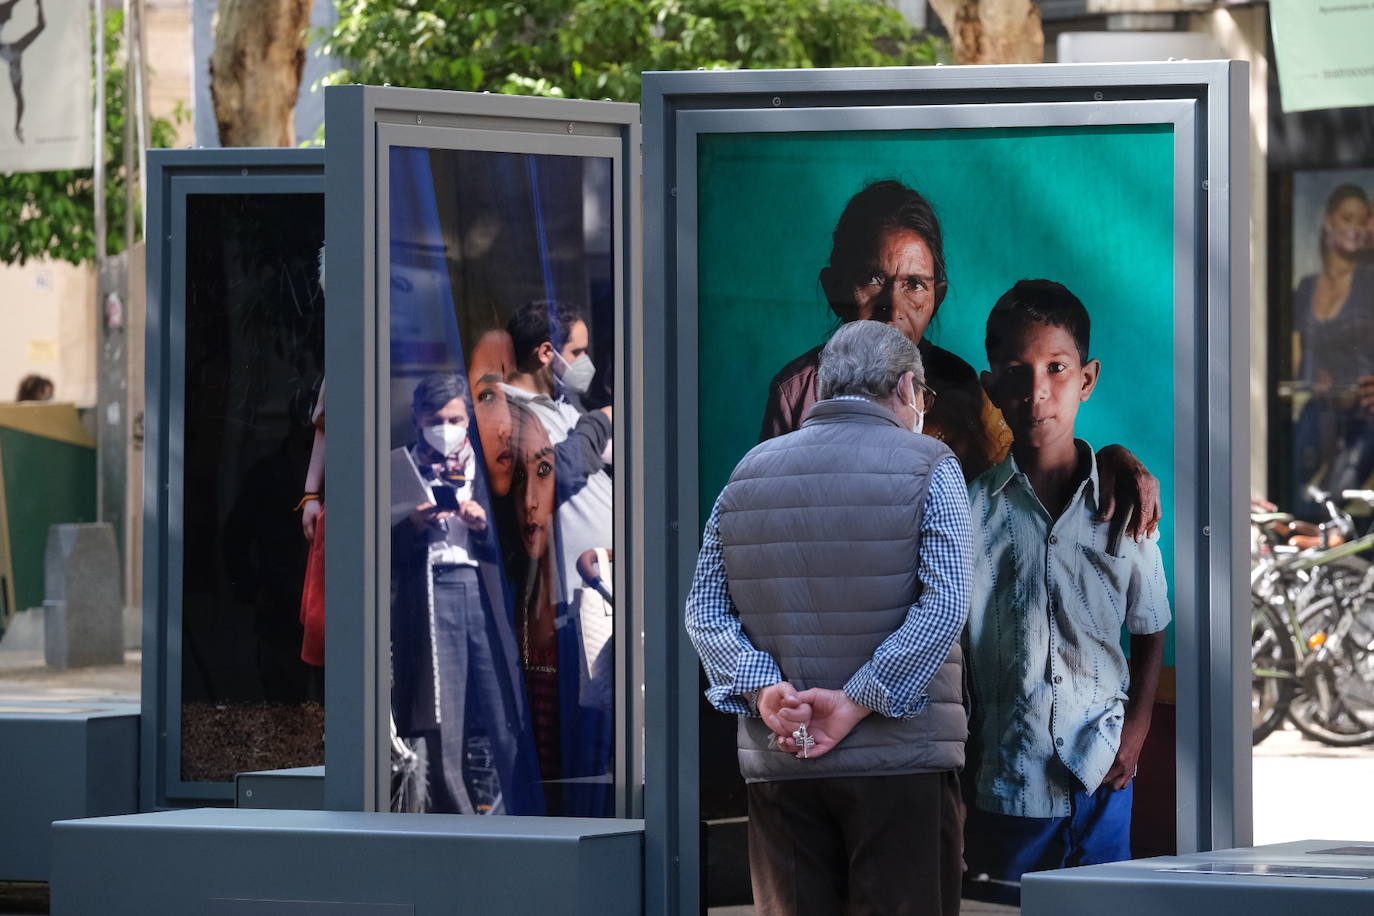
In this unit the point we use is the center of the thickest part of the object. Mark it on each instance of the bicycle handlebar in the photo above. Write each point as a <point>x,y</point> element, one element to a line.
<point>1364,496</point>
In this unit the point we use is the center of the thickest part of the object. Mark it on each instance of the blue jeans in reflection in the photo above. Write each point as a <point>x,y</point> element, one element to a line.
<point>472,756</point>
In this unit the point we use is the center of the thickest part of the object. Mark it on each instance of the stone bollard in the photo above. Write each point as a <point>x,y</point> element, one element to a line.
<point>82,616</point>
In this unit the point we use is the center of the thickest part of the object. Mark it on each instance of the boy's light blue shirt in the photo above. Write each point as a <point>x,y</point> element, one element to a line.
<point>1046,609</point>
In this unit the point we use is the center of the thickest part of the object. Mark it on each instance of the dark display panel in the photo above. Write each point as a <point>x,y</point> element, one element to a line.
<point>254,345</point>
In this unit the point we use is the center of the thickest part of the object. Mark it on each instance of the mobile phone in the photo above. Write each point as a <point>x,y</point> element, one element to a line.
<point>445,498</point>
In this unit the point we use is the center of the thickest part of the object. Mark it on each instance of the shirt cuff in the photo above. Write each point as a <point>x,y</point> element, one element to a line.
<point>754,671</point>
<point>866,689</point>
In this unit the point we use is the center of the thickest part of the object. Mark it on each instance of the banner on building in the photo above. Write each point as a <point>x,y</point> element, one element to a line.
<point>45,107</point>
<point>1325,59</point>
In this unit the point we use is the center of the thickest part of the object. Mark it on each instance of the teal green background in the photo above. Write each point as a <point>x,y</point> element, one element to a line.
<point>1090,207</point>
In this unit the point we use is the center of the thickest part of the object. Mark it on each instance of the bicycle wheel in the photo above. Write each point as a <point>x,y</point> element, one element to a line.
<point>1272,683</point>
<point>1335,704</point>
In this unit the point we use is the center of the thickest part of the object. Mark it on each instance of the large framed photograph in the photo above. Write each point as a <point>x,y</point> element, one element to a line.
<point>481,632</point>
<point>991,219</point>
<point>1323,432</point>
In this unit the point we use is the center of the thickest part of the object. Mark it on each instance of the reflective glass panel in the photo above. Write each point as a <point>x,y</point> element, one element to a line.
<point>502,300</point>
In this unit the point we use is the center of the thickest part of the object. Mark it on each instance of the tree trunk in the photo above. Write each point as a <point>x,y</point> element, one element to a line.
<point>255,70</point>
<point>993,31</point>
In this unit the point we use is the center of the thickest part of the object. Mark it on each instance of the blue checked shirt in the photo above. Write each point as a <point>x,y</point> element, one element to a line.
<point>893,682</point>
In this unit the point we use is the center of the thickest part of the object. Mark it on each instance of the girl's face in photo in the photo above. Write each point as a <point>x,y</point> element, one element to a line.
<point>492,360</point>
<point>1346,224</point>
<point>534,487</point>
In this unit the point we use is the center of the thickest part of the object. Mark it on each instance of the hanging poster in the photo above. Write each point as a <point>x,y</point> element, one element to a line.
<point>46,104</point>
<point>1323,55</point>
<point>1325,362</point>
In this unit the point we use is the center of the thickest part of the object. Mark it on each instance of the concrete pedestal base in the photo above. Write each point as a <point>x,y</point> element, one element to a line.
<point>242,862</point>
<point>1312,877</point>
<point>60,760</point>
<point>294,789</point>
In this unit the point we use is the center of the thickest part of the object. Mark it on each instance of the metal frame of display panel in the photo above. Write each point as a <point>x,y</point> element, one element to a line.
<point>364,123</point>
<point>1206,105</point>
<point>173,175</point>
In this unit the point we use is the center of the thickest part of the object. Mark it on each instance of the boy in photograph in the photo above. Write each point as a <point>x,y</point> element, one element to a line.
<point>1059,714</point>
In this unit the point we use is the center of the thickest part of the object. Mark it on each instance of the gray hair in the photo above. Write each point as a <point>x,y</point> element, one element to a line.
<point>321,261</point>
<point>866,358</point>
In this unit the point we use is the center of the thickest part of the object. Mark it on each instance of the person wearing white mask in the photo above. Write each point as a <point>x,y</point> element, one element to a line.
<point>453,660</point>
<point>552,363</point>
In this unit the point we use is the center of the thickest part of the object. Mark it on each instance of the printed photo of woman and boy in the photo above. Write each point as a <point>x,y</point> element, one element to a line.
<point>501,491</point>
<point>1034,384</point>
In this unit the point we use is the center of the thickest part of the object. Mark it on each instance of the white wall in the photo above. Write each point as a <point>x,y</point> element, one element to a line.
<point>48,326</point>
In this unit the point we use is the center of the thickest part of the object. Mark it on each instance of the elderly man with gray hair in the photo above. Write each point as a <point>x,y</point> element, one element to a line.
<point>829,596</point>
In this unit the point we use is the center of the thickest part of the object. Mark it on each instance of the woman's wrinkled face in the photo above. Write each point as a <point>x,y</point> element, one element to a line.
<point>1346,225</point>
<point>492,360</point>
<point>896,286</point>
<point>533,487</point>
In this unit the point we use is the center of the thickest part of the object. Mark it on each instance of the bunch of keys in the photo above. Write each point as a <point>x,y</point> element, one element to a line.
<point>803,739</point>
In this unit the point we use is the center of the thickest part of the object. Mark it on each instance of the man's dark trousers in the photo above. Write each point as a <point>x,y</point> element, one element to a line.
<point>858,846</point>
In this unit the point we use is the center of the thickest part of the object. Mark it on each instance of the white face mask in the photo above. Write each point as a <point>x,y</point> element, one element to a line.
<point>446,438</point>
<point>577,375</point>
<point>920,423</point>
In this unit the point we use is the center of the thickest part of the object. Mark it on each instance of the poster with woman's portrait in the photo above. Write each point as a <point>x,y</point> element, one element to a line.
<point>502,303</point>
<point>1035,270</point>
<point>1325,353</point>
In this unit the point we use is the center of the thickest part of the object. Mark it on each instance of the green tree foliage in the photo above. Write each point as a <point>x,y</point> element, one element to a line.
<point>597,49</point>
<point>52,214</point>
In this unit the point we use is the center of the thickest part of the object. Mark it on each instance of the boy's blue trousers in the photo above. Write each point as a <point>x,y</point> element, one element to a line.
<point>1005,847</point>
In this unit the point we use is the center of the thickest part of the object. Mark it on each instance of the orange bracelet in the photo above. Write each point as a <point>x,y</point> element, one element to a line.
<point>305,499</point>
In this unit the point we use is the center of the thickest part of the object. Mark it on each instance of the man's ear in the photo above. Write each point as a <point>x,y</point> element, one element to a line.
<point>1092,371</point>
<point>906,387</point>
<point>544,353</point>
<point>941,287</point>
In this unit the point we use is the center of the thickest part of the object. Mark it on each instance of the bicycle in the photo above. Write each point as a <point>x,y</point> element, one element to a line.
<point>1312,632</point>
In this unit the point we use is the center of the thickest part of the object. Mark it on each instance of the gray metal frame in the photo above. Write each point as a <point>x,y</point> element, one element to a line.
<point>364,123</point>
<point>1206,103</point>
<point>173,174</point>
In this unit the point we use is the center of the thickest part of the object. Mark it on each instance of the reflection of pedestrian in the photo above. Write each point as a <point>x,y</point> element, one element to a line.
<point>453,656</point>
<point>311,507</point>
<point>13,54</point>
<point>1333,319</point>
<point>550,346</point>
<point>836,560</point>
<point>887,263</point>
<point>1059,718</point>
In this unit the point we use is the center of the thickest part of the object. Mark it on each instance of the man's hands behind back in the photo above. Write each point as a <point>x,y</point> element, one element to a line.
<point>829,717</point>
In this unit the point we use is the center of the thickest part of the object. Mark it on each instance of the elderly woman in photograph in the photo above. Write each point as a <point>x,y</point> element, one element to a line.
<point>887,264</point>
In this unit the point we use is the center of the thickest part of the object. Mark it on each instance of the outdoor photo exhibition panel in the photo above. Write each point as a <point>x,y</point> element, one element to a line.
<point>235,361</point>
<point>780,205</point>
<point>483,633</point>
